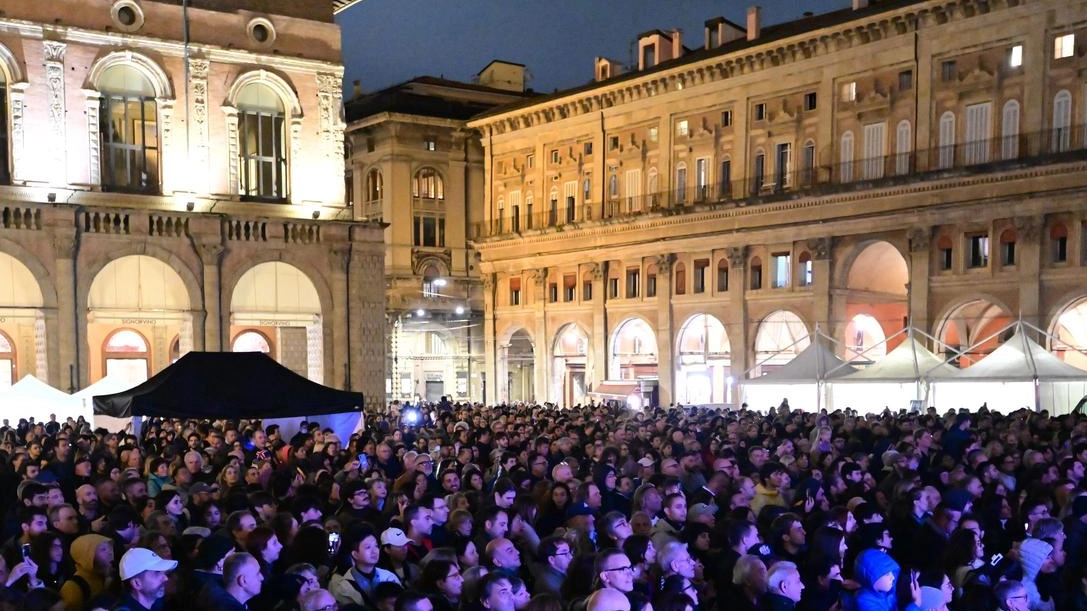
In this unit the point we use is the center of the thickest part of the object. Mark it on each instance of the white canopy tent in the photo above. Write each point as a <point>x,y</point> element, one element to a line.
<point>902,376</point>
<point>800,380</point>
<point>106,386</point>
<point>1020,373</point>
<point>30,397</point>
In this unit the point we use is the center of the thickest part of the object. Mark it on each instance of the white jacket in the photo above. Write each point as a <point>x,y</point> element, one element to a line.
<point>346,587</point>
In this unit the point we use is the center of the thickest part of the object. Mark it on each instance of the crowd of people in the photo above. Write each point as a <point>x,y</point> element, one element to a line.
<point>535,508</point>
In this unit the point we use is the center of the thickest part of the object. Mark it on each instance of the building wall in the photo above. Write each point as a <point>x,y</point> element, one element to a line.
<point>58,221</point>
<point>872,223</point>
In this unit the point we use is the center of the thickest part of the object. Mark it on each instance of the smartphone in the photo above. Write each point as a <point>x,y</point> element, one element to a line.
<point>25,549</point>
<point>263,455</point>
<point>333,543</point>
<point>995,560</point>
<point>364,461</point>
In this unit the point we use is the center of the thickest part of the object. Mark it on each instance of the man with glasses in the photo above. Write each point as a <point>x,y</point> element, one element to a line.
<point>1011,596</point>
<point>614,570</point>
<point>317,600</point>
<point>555,556</point>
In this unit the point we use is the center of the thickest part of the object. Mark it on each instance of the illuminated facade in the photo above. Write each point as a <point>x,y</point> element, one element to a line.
<point>413,165</point>
<point>691,220</point>
<point>160,196</point>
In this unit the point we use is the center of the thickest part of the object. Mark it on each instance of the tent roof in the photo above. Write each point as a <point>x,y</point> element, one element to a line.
<point>814,364</point>
<point>908,362</point>
<point>107,385</point>
<point>1021,359</point>
<point>227,384</point>
<point>33,396</point>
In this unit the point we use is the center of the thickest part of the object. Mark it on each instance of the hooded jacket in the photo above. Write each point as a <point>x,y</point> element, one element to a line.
<point>872,564</point>
<point>83,550</point>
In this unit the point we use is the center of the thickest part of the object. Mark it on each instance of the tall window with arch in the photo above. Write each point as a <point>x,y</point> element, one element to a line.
<point>5,161</point>
<point>262,143</point>
<point>428,192</point>
<point>846,152</point>
<point>428,184</point>
<point>251,341</point>
<point>1062,121</point>
<point>947,141</point>
<point>126,355</point>
<point>129,129</point>
<point>1009,130</point>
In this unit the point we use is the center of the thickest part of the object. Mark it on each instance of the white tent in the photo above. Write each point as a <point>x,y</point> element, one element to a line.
<point>30,397</point>
<point>106,386</point>
<point>1019,373</point>
<point>801,380</point>
<point>902,376</point>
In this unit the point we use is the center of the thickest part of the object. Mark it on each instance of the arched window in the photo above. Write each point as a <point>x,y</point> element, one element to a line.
<point>5,164</point>
<point>128,119</point>
<point>262,143</point>
<point>804,269</point>
<point>428,184</point>
<point>1009,130</point>
<point>1062,121</point>
<point>807,164</point>
<point>374,185</point>
<point>126,355</point>
<point>7,361</point>
<point>432,282</point>
<point>947,140</point>
<point>845,171</point>
<point>251,340</point>
<point>903,148</point>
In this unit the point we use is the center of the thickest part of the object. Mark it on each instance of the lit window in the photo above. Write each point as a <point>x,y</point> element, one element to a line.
<point>1064,46</point>
<point>760,112</point>
<point>849,91</point>
<point>430,144</point>
<point>681,128</point>
<point>1015,56</point>
<point>262,139</point>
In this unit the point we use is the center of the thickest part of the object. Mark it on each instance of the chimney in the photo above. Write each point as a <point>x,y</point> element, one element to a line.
<point>677,43</point>
<point>859,4</point>
<point>606,69</point>
<point>754,22</point>
<point>356,89</point>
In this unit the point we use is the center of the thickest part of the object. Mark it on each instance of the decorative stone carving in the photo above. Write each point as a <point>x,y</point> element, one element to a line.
<point>488,283</point>
<point>18,128</point>
<point>166,127</point>
<point>597,271</point>
<point>210,252</point>
<point>920,238</point>
<point>64,246</point>
<point>664,263</point>
<point>94,136</point>
<point>820,248</point>
<point>54,84</point>
<point>539,278</point>
<point>233,149</point>
<point>198,90</point>
<point>329,109</point>
<point>1029,228</point>
<point>737,256</point>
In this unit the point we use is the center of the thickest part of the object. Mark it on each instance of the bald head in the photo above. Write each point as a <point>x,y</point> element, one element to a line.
<point>503,554</point>
<point>607,599</point>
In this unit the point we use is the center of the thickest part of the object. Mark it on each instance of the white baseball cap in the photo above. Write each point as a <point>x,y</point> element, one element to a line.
<point>139,559</point>
<point>395,536</point>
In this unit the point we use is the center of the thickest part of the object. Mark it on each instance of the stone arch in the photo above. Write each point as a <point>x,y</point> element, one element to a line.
<point>703,360</point>
<point>779,337</point>
<point>236,267</point>
<point>571,355</point>
<point>141,63</point>
<point>517,364</point>
<point>10,65</point>
<point>41,274</point>
<point>279,85</point>
<point>1068,327</point>
<point>96,264</point>
<point>640,350</point>
<point>30,322</point>
<point>975,317</point>
<point>872,283</point>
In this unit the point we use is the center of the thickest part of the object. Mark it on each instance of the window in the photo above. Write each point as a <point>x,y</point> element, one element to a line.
<point>587,290</point>
<point>570,194</point>
<point>1064,46</point>
<point>587,187</point>
<point>430,144</point>
<point>653,134</point>
<point>783,166</point>
<point>946,253</point>
<point>810,101</point>
<point>261,139</point>
<point>613,288</point>
<point>430,231</point>
<point>1007,247</point>
<point>760,172</point>
<point>760,112</point>
<point>681,183</point>
<point>700,267</point>
<point>374,185</point>
<point>569,287</point>
<point>976,149</point>
<point>702,179</point>
<point>613,183</point>
<point>428,184</point>
<point>726,118</point>
<point>682,129</point>
<point>845,170</point>
<point>515,291</point>
<point>947,141</point>
<point>634,279</point>
<point>371,144</point>
<point>780,264</point>
<point>649,56</point>
<point>849,91</point>
<point>530,200</point>
<point>681,279</point>
<point>651,285</point>
<point>515,210</point>
<point>724,179</point>
<point>905,80</point>
<point>8,373</point>
<point>903,148</point>
<point>805,270</point>
<point>872,165</point>
<point>1009,130</point>
<point>552,293</point>
<point>1015,56</point>
<point>432,283</point>
<point>553,208</point>
<point>127,356</point>
<point>756,273</point>
<point>979,249</point>
<point>1062,121</point>
<point>632,191</point>
<point>807,164</point>
<point>722,276</point>
<point>129,128</point>
<point>1058,240</point>
<point>948,70</point>
<point>613,143</point>
<point>588,148</point>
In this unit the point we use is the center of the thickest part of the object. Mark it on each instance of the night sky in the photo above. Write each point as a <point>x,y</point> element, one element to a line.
<point>390,41</point>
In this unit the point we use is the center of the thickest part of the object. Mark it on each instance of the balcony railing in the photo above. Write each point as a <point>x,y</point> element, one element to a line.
<point>982,155</point>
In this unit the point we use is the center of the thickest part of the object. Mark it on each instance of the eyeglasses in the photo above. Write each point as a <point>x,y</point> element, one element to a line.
<point>566,553</point>
<point>618,568</point>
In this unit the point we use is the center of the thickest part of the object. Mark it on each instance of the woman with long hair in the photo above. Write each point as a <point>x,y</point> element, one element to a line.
<point>554,510</point>
<point>47,551</point>
<point>643,560</point>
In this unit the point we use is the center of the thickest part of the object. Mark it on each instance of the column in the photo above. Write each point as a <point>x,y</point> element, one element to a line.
<point>541,351</point>
<point>17,93</point>
<point>918,287</point>
<point>1028,264</point>
<point>365,339</point>
<point>666,374</point>
<point>741,348</point>
<point>339,260</point>
<point>489,381</point>
<point>828,311</point>
<point>169,170</point>
<point>67,338</point>
<point>599,349</point>
<point>215,327</point>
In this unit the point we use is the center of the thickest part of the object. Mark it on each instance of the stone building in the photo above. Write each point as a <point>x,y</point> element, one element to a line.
<point>413,165</point>
<point>172,180</point>
<point>690,220</point>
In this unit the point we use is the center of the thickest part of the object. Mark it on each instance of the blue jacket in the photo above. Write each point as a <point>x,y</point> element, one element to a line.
<point>872,564</point>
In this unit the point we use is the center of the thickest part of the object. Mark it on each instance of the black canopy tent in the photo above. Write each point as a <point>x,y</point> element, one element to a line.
<point>227,384</point>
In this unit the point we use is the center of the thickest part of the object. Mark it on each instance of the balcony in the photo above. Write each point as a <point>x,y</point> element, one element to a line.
<point>983,156</point>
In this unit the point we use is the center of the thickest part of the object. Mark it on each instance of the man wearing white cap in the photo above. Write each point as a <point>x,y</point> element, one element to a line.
<point>144,575</point>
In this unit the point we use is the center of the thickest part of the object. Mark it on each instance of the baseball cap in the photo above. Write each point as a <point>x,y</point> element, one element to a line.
<point>140,559</point>
<point>395,536</point>
<point>578,509</point>
<point>211,550</point>
<point>199,488</point>
<point>646,461</point>
<point>699,510</point>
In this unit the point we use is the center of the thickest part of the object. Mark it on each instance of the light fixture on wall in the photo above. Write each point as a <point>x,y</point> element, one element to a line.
<point>316,214</point>
<point>190,206</point>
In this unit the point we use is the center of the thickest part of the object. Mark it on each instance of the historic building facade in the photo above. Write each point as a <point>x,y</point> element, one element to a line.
<point>414,166</point>
<point>160,195</point>
<point>693,220</point>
